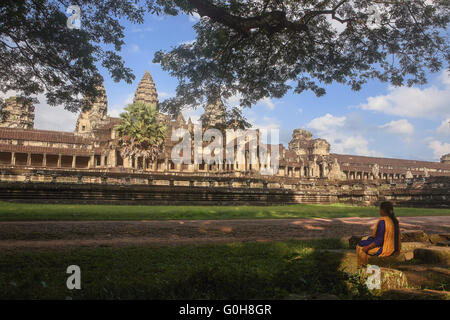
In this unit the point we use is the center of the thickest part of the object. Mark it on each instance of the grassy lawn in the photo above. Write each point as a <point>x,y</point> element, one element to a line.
<point>22,212</point>
<point>270,270</point>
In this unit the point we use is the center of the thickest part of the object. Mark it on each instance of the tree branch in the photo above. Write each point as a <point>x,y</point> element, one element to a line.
<point>273,21</point>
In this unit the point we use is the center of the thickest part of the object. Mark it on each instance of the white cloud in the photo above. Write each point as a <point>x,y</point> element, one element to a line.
<point>444,128</point>
<point>268,103</point>
<point>194,114</point>
<point>412,102</point>
<point>445,77</point>
<point>194,17</point>
<point>326,123</point>
<point>339,133</point>
<point>118,108</point>
<point>187,42</point>
<point>54,118</point>
<point>402,127</point>
<point>233,101</point>
<point>439,148</point>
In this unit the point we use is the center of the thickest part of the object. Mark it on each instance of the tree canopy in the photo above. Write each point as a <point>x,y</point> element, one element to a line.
<point>254,49</point>
<point>140,133</point>
<point>40,54</point>
<point>260,49</point>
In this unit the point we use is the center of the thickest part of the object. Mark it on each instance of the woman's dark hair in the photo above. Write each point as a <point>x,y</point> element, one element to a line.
<point>388,208</point>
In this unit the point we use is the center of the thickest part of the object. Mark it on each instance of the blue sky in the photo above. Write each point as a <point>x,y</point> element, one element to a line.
<point>408,123</point>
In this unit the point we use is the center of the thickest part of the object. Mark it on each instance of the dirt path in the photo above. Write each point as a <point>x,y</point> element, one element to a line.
<point>59,234</point>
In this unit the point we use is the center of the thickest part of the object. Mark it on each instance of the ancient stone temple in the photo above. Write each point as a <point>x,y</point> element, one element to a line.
<point>93,147</point>
<point>214,115</point>
<point>146,90</point>
<point>445,158</point>
<point>17,113</point>
<point>93,114</point>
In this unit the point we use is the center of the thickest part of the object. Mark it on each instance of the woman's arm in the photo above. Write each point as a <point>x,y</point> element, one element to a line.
<point>370,246</point>
<point>379,237</point>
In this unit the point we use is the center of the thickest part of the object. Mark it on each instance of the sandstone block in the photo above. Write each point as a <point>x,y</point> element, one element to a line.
<point>440,239</point>
<point>437,255</point>
<point>389,279</point>
<point>414,236</point>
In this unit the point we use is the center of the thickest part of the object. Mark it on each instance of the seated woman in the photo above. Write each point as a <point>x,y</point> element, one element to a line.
<point>385,240</point>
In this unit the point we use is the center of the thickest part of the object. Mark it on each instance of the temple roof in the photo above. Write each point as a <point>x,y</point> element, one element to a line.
<point>43,136</point>
<point>353,160</point>
<point>146,90</point>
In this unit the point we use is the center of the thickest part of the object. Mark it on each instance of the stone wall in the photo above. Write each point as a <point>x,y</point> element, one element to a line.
<point>77,186</point>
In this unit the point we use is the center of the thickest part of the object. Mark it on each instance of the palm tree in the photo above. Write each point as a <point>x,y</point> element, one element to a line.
<point>140,133</point>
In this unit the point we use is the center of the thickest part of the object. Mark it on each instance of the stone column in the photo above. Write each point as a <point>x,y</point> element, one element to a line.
<point>91,162</point>
<point>44,160</point>
<point>255,166</point>
<point>127,162</point>
<point>13,158</point>
<point>102,160</point>
<point>113,157</point>
<point>144,163</point>
<point>28,159</point>
<point>74,161</point>
<point>59,161</point>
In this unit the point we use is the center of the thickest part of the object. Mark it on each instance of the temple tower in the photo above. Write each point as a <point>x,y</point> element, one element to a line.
<point>17,113</point>
<point>303,144</point>
<point>146,91</point>
<point>93,113</point>
<point>445,158</point>
<point>215,114</point>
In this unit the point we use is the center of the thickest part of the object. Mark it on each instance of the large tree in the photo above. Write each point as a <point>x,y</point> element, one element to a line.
<point>256,49</point>
<point>40,54</point>
<point>260,49</point>
<point>140,133</point>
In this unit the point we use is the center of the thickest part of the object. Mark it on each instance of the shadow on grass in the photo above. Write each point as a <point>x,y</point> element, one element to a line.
<point>271,270</point>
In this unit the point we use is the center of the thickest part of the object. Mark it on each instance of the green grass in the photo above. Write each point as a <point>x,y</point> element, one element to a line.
<point>23,212</point>
<point>270,270</point>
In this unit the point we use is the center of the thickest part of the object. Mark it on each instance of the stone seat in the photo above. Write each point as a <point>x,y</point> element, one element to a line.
<point>433,255</point>
<point>389,279</point>
<point>406,253</point>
